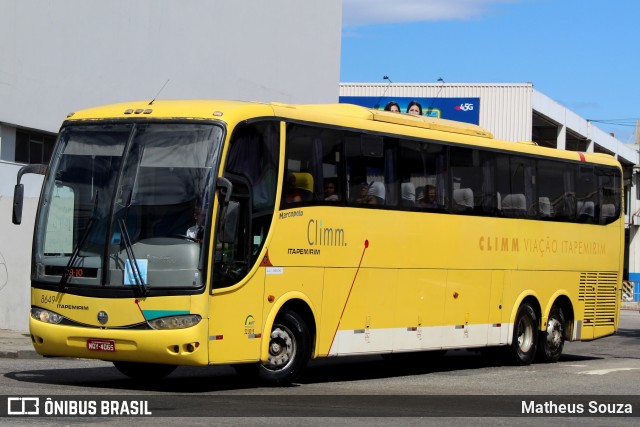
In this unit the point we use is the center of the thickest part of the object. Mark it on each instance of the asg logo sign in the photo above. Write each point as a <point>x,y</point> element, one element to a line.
<point>23,406</point>
<point>467,106</point>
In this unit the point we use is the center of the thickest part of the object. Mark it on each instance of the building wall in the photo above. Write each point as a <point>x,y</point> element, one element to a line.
<point>15,248</point>
<point>505,109</point>
<point>62,56</point>
<point>7,141</point>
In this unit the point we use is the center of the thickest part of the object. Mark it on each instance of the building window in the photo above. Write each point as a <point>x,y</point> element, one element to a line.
<point>33,147</point>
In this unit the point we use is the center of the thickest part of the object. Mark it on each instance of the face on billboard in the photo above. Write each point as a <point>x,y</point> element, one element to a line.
<point>459,109</point>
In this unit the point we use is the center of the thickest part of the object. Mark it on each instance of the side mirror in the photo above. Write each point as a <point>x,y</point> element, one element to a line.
<point>18,199</point>
<point>18,191</point>
<point>226,187</point>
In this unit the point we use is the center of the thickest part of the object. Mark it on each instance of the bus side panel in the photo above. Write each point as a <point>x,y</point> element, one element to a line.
<point>235,319</point>
<point>467,308</point>
<point>367,323</point>
<point>419,309</point>
<point>498,329</point>
<point>337,282</point>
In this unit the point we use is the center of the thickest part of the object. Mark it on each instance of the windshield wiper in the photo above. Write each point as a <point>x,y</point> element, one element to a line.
<point>64,280</point>
<point>133,263</point>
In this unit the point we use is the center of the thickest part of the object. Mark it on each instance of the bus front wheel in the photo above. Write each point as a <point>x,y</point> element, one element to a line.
<point>289,349</point>
<point>144,371</point>
<point>552,339</point>
<point>525,335</point>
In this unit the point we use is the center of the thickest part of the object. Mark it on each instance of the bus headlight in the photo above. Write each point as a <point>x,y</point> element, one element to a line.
<point>175,322</point>
<point>46,316</point>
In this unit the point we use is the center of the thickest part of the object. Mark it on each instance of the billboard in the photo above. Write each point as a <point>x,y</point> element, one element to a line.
<point>459,109</point>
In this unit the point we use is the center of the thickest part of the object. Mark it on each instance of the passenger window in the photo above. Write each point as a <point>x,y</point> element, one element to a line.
<point>433,191</point>
<point>328,166</point>
<point>412,172</point>
<point>313,165</point>
<point>523,188</point>
<point>556,191</point>
<point>254,155</point>
<point>466,179</point>
<point>610,194</point>
<point>488,201</point>
<point>252,169</point>
<point>586,195</point>
<point>367,176</point>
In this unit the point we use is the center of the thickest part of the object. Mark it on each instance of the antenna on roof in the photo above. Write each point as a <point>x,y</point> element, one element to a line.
<point>154,98</point>
<point>377,105</point>
<point>440,80</point>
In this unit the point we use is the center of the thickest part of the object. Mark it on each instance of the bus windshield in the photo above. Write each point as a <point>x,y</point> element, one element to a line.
<point>124,205</point>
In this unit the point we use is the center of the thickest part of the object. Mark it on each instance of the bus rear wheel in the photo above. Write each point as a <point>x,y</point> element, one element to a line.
<point>551,341</point>
<point>144,371</point>
<point>289,349</point>
<point>525,335</point>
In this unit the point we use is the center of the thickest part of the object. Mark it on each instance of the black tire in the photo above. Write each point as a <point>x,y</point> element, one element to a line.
<point>525,336</point>
<point>144,371</point>
<point>551,340</point>
<point>289,349</point>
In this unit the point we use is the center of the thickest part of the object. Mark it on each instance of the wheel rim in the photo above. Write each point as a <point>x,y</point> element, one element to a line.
<point>554,333</point>
<point>525,334</point>
<point>282,348</point>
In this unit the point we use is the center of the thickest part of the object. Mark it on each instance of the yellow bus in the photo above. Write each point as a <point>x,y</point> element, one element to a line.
<point>265,235</point>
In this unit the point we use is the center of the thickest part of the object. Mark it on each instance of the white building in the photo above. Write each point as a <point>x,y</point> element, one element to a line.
<point>61,56</point>
<point>518,112</point>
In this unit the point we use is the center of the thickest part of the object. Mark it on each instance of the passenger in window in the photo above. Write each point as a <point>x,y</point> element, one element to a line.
<point>292,193</point>
<point>196,231</point>
<point>392,106</point>
<point>376,193</point>
<point>370,194</point>
<point>414,108</point>
<point>363,195</point>
<point>330,191</point>
<point>427,197</point>
<point>408,193</point>
<point>360,191</point>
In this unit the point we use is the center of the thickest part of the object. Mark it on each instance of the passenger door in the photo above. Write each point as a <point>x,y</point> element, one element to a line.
<point>237,282</point>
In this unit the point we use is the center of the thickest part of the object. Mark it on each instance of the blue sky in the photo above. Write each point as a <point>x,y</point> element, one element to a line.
<point>585,54</point>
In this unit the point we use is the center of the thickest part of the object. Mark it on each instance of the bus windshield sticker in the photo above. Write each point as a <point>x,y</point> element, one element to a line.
<point>128,272</point>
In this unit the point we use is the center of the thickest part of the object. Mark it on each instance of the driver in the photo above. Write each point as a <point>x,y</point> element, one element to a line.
<point>196,231</point>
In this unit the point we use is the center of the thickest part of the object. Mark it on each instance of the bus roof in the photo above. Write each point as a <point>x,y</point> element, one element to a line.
<point>234,112</point>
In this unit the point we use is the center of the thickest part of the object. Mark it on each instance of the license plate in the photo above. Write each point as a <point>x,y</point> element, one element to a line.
<point>101,345</point>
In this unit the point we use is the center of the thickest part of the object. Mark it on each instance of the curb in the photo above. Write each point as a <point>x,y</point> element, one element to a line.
<point>20,354</point>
